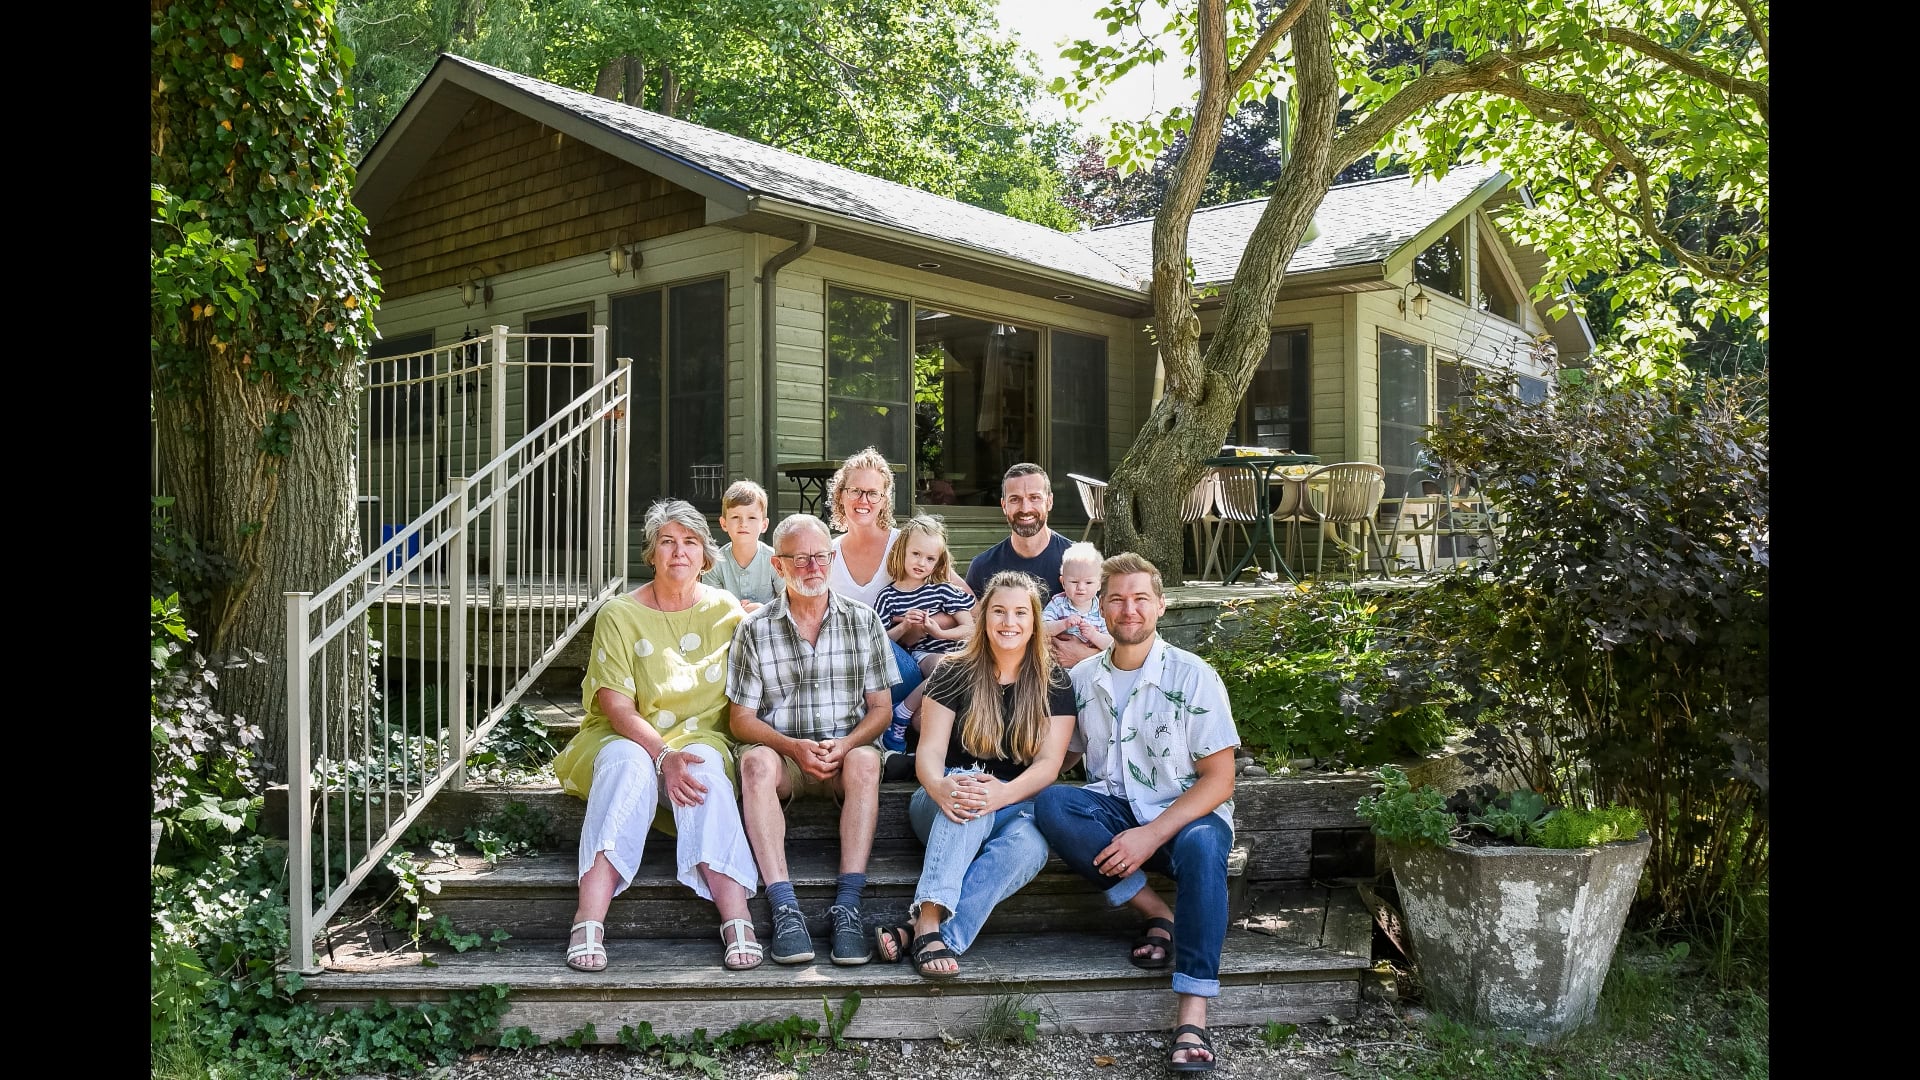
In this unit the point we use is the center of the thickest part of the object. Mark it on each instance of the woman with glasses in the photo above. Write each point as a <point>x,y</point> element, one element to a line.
<point>861,500</point>
<point>656,748</point>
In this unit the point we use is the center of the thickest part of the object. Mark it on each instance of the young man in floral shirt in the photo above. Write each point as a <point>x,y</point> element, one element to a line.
<point>1158,735</point>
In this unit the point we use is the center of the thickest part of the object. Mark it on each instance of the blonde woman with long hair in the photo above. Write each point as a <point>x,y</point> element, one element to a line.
<point>994,728</point>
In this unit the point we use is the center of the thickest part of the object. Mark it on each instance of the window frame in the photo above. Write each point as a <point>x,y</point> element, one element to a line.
<point>1043,364</point>
<point>663,390</point>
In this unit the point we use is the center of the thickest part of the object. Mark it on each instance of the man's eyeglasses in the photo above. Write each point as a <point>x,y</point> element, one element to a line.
<point>805,562</point>
<point>865,495</point>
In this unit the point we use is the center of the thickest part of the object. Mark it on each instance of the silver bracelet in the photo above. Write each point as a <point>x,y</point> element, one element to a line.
<point>660,763</point>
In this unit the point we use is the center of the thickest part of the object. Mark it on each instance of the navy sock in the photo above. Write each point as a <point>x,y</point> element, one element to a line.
<point>851,885</point>
<point>780,894</point>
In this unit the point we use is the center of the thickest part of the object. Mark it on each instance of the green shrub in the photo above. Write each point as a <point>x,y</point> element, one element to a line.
<point>1311,676</point>
<point>1619,643</point>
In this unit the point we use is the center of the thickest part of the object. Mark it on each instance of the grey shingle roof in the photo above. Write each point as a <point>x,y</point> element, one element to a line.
<point>1359,223</point>
<point>782,174</point>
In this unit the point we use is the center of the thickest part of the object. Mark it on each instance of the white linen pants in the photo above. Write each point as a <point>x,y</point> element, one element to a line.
<point>620,809</point>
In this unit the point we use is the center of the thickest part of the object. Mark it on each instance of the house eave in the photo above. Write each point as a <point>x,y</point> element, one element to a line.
<point>780,217</point>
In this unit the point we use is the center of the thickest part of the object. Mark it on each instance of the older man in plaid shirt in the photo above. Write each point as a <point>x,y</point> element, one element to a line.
<point>810,680</point>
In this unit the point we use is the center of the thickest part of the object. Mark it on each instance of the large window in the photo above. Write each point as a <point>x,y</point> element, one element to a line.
<point>977,405</point>
<point>1078,388</point>
<point>869,385</point>
<point>959,396</point>
<point>1404,412</point>
<point>677,338</point>
<point>1274,412</point>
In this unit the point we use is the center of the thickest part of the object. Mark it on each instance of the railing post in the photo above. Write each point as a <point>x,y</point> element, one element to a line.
<point>457,617</point>
<point>497,546</point>
<point>597,474</point>
<point>623,440</point>
<point>299,790</point>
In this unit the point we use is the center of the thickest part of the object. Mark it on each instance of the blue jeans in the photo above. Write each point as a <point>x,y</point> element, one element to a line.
<point>970,868</point>
<point>909,672</point>
<point>1080,823</point>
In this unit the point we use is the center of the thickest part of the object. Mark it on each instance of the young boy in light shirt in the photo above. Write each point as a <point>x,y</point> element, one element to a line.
<point>1075,610</point>
<point>745,566</point>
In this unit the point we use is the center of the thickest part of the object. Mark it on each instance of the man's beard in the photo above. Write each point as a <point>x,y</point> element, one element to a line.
<point>1028,528</point>
<point>1129,635</point>
<point>809,591</point>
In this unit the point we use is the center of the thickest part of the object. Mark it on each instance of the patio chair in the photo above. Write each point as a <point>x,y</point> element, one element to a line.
<point>1342,494</point>
<point>1197,512</point>
<point>1093,498</point>
<point>1292,509</point>
<point>1235,502</point>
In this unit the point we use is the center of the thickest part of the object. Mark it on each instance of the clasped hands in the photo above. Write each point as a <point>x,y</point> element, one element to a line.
<point>966,796</point>
<point>820,758</point>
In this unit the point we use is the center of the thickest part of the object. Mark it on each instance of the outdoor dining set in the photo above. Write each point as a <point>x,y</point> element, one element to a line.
<point>1258,491</point>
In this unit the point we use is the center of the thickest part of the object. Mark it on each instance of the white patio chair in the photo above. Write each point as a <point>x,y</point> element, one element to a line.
<point>1093,498</point>
<point>1342,494</point>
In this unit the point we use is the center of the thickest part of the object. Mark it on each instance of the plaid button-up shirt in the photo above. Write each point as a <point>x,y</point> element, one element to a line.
<point>816,691</point>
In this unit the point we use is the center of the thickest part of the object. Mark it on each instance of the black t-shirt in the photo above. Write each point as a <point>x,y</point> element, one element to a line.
<point>1001,556</point>
<point>952,686</point>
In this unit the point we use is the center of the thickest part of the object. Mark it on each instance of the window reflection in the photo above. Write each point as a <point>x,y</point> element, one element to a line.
<point>976,404</point>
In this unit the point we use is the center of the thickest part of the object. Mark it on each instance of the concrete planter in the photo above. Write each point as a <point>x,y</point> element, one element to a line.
<point>1518,938</point>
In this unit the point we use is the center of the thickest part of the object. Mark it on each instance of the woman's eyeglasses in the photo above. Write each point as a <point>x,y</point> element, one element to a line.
<point>805,562</point>
<point>865,495</point>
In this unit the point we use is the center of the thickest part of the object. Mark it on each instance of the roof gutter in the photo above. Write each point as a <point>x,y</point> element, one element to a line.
<point>769,366</point>
<point>810,216</point>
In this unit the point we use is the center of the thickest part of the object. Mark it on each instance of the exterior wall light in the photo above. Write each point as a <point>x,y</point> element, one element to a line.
<point>1418,301</point>
<point>476,287</point>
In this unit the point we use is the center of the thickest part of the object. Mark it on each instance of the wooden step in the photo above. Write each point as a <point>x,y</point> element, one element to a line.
<point>535,896</point>
<point>1299,957</point>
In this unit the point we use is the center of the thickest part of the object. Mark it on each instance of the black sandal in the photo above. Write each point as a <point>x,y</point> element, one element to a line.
<point>1205,1043</point>
<point>892,943</point>
<point>1164,944</point>
<point>930,947</point>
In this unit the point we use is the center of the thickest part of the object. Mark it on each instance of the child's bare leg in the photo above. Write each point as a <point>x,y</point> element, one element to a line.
<point>911,703</point>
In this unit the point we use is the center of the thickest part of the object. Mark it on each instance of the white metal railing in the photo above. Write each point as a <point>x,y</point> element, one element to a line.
<point>396,671</point>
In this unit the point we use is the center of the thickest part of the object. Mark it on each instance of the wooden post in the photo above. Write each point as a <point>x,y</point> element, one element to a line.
<point>299,791</point>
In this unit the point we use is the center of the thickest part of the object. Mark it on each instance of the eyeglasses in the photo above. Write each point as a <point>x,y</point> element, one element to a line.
<point>804,562</point>
<point>865,495</point>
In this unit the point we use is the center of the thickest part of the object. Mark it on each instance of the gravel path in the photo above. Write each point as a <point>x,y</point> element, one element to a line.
<point>1312,1053</point>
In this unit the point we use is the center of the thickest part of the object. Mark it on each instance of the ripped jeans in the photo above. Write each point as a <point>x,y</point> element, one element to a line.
<point>970,868</point>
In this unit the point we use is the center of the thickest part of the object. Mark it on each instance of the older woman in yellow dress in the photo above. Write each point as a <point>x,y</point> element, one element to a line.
<point>655,747</point>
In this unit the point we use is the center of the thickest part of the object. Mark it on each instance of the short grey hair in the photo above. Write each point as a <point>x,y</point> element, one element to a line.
<point>679,512</point>
<point>793,523</point>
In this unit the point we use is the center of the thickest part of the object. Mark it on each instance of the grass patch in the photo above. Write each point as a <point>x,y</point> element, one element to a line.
<point>1662,1016</point>
<point>1008,1021</point>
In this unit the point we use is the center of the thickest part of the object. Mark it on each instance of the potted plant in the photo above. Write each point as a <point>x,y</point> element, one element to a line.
<point>1514,907</point>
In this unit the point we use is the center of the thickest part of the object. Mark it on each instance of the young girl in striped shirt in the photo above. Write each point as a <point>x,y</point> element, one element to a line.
<point>922,610</point>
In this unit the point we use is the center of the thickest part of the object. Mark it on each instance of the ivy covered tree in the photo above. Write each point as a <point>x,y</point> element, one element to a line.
<point>1608,111</point>
<point>262,306</point>
<point>931,93</point>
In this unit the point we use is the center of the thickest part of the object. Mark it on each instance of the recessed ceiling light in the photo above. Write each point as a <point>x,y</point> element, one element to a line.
<point>1063,296</point>
<point>929,265</point>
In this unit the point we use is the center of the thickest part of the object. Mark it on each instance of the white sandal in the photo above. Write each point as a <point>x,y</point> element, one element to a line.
<point>588,948</point>
<point>739,946</point>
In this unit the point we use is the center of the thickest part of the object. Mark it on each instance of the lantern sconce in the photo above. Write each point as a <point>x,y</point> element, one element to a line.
<point>1418,301</point>
<point>476,287</point>
<point>623,259</point>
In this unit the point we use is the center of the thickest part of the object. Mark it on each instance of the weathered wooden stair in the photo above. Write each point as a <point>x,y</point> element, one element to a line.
<point>1296,949</point>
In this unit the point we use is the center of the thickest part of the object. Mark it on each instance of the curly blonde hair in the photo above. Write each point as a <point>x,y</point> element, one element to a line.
<point>869,458</point>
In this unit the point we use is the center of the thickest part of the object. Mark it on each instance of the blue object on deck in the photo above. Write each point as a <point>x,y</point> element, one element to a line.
<point>398,557</point>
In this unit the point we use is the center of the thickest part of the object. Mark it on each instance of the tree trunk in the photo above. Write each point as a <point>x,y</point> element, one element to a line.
<point>1149,488</point>
<point>287,523</point>
<point>636,78</point>
<point>669,91</point>
<point>607,83</point>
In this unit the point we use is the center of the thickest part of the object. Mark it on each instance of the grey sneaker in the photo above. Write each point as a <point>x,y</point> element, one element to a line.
<point>851,946</point>
<point>791,944</point>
